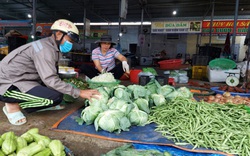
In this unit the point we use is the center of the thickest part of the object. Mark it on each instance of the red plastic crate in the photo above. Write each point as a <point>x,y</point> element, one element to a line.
<point>170,64</point>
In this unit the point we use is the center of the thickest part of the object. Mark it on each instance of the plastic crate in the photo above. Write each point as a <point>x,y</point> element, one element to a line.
<point>199,60</point>
<point>199,72</point>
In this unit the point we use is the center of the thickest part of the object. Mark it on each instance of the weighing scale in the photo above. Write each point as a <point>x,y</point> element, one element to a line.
<point>232,80</point>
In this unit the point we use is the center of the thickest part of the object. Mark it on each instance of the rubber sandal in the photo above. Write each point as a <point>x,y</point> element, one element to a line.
<point>57,107</point>
<point>14,117</point>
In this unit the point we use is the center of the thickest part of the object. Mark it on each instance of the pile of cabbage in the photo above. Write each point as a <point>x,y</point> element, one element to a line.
<point>120,107</point>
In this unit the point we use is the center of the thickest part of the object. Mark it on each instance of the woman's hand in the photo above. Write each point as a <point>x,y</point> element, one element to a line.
<point>89,93</point>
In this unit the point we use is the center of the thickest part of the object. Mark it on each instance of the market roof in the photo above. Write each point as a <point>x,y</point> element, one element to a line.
<point>108,10</point>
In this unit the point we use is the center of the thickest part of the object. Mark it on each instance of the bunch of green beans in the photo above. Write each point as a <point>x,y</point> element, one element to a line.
<point>215,126</point>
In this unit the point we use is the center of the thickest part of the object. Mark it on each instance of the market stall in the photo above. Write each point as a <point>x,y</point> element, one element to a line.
<point>163,115</point>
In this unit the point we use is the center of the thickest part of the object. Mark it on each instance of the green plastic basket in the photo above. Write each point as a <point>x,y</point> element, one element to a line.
<point>222,63</point>
<point>102,84</point>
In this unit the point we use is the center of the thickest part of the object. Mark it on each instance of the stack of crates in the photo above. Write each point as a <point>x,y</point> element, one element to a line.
<point>199,68</point>
<point>200,60</point>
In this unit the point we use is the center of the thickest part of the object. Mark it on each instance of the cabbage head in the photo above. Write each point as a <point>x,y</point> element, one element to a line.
<point>158,99</point>
<point>142,104</point>
<point>139,91</point>
<point>121,93</point>
<point>124,106</point>
<point>165,90</point>
<point>185,92</point>
<point>172,95</point>
<point>112,120</point>
<point>138,117</point>
<point>90,113</point>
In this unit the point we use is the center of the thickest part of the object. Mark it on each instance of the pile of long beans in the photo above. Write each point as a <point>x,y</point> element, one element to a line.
<point>215,126</point>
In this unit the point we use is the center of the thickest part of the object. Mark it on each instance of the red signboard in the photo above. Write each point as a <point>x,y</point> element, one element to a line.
<point>225,26</point>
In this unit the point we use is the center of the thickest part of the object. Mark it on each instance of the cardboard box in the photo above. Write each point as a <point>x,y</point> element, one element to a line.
<point>221,75</point>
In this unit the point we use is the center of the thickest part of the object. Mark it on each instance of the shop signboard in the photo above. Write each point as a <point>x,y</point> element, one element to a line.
<point>15,23</point>
<point>222,27</point>
<point>176,27</point>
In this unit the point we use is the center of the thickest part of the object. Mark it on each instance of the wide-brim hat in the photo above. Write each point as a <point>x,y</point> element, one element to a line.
<point>106,38</point>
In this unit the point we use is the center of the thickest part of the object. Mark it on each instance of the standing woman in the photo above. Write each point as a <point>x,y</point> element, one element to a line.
<point>104,57</point>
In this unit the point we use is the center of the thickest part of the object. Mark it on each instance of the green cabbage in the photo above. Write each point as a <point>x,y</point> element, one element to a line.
<point>138,91</point>
<point>138,117</point>
<point>112,120</point>
<point>185,92</point>
<point>158,99</point>
<point>142,104</point>
<point>90,113</point>
<point>165,90</point>
<point>124,106</point>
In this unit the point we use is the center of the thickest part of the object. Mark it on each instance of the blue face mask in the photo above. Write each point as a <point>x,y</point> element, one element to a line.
<point>66,47</point>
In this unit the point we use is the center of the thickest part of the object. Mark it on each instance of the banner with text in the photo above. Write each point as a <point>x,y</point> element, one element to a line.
<point>176,27</point>
<point>222,27</point>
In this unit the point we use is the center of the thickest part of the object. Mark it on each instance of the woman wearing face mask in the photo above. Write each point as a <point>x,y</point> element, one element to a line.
<point>28,75</point>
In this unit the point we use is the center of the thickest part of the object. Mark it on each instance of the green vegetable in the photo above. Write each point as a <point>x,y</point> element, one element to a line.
<point>27,135</point>
<point>90,113</point>
<point>219,127</point>
<point>1,141</point>
<point>115,103</point>
<point>33,131</point>
<point>31,149</point>
<point>128,150</point>
<point>165,90</point>
<point>105,77</point>
<point>138,117</point>
<point>158,99</point>
<point>122,93</point>
<point>150,70</point>
<point>142,104</point>
<point>152,86</point>
<point>185,92</point>
<point>112,120</point>
<point>1,153</point>
<point>9,144</point>
<point>138,91</point>
<point>43,139</point>
<point>57,148</point>
<point>21,143</point>
<point>45,152</point>
<point>9,135</point>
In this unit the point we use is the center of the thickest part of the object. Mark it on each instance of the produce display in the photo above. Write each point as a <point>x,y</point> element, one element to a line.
<point>103,80</point>
<point>120,107</point>
<point>232,89</point>
<point>105,77</point>
<point>226,97</point>
<point>75,82</point>
<point>219,127</point>
<point>30,143</point>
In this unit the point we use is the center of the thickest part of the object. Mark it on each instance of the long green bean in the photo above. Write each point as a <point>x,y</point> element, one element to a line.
<point>219,127</point>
